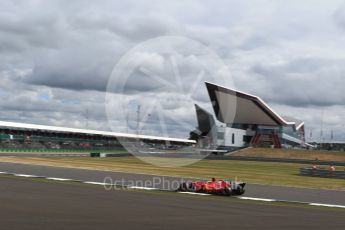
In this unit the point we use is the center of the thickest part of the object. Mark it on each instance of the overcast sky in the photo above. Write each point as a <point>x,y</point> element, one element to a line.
<point>56,56</point>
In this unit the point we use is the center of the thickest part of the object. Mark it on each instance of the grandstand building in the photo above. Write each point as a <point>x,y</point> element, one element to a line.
<point>20,136</point>
<point>244,120</point>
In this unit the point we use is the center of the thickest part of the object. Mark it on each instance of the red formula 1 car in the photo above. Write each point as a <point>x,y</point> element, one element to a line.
<point>218,187</point>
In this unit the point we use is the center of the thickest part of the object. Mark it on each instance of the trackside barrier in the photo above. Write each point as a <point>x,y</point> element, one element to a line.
<point>99,154</point>
<point>322,173</point>
<point>14,150</point>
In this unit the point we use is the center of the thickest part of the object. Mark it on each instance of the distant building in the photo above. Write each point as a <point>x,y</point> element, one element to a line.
<point>244,120</point>
<point>331,145</point>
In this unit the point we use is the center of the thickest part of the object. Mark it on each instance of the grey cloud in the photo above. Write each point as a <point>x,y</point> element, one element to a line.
<point>288,53</point>
<point>304,82</point>
<point>77,49</point>
<point>339,16</point>
<point>71,72</point>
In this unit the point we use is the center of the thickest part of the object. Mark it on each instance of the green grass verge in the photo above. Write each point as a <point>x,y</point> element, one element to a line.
<point>271,173</point>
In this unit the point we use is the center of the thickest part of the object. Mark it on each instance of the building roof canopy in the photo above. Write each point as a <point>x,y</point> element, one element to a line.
<point>235,107</point>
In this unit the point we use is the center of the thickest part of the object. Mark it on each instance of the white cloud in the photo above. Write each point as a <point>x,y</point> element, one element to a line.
<point>291,53</point>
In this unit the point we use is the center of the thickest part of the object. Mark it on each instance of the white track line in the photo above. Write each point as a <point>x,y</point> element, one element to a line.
<point>327,205</point>
<point>96,183</point>
<point>255,198</point>
<point>295,202</point>
<point>143,188</point>
<point>24,175</point>
<point>194,193</point>
<point>58,179</point>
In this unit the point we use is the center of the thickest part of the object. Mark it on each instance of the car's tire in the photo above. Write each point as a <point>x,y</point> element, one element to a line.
<point>226,192</point>
<point>240,191</point>
<point>191,188</point>
<point>183,187</point>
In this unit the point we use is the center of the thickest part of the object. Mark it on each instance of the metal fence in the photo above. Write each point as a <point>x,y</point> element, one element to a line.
<point>340,174</point>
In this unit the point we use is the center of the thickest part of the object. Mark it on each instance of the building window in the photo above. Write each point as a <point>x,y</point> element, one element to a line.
<point>233,138</point>
<point>220,135</point>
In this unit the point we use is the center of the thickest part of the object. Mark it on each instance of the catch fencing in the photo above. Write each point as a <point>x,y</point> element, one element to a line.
<point>340,174</point>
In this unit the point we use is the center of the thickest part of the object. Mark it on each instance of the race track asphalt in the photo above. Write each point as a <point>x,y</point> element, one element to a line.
<point>31,204</point>
<point>171,183</point>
